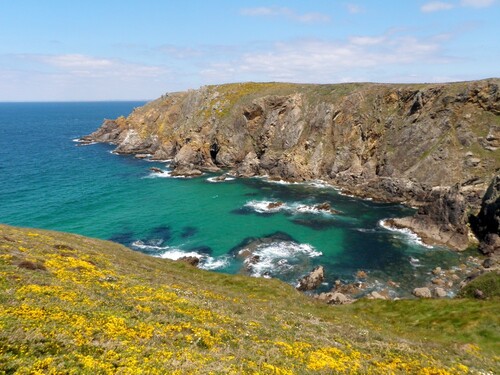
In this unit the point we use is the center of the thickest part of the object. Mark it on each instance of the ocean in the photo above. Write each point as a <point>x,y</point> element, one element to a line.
<point>47,180</point>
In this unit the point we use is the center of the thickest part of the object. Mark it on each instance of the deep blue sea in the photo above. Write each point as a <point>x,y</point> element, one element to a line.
<point>47,180</point>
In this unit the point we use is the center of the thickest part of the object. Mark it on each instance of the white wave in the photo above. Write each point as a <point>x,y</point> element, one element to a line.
<point>166,161</point>
<point>263,206</point>
<point>143,246</point>
<point>215,179</point>
<point>415,262</point>
<point>294,208</point>
<point>366,230</point>
<point>346,195</point>
<point>146,157</point>
<point>211,263</point>
<point>407,233</point>
<point>276,257</point>
<point>310,209</point>
<point>167,252</point>
<point>82,142</point>
<point>164,174</point>
<point>176,254</point>
<point>321,184</point>
<point>283,182</point>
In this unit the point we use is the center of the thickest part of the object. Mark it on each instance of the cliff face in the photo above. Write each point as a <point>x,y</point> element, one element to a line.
<point>403,143</point>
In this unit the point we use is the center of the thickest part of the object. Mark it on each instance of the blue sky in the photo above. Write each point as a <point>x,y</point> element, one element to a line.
<point>119,50</point>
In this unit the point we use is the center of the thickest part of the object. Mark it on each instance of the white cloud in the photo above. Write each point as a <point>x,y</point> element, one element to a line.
<point>366,40</point>
<point>354,8</point>
<point>435,6</point>
<point>311,17</point>
<point>316,60</point>
<point>88,66</point>
<point>79,77</point>
<point>477,3</point>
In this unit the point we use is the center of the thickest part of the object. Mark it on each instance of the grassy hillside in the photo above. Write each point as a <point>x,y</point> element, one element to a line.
<point>70,304</point>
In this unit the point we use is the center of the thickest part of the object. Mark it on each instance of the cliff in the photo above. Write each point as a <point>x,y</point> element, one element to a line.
<point>417,144</point>
<point>70,304</point>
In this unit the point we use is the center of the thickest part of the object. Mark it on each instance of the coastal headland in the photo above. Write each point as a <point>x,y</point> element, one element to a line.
<point>435,147</point>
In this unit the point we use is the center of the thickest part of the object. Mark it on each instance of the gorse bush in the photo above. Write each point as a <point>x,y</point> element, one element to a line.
<point>75,305</point>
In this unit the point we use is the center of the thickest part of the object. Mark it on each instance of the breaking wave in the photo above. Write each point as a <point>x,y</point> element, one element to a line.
<point>166,252</point>
<point>278,258</point>
<point>406,233</point>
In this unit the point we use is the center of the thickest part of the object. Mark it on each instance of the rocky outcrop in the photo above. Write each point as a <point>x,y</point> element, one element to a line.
<point>414,144</point>
<point>486,224</point>
<point>312,280</point>
<point>334,298</point>
<point>191,260</point>
<point>442,220</point>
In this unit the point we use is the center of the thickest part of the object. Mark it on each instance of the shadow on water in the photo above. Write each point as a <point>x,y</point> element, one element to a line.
<point>207,250</point>
<point>188,232</point>
<point>124,238</point>
<point>318,224</point>
<point>163,232</point>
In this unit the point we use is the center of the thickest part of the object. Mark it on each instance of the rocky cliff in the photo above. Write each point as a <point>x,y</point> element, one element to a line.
<point>434,146</point>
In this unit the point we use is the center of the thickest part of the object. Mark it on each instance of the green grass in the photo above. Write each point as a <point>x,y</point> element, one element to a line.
<point>488,284</point>
<point>70,304</point>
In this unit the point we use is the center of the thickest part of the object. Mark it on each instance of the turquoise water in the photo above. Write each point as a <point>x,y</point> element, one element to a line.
<point>49,181</point>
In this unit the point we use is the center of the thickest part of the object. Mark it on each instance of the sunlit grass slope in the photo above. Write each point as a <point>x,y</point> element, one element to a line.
<point>70,304</point>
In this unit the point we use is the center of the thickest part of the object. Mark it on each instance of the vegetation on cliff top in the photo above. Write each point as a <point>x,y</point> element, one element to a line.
<point>77,305</point>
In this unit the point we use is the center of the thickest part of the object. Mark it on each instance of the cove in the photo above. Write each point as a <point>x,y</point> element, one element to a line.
<point>49,181</point>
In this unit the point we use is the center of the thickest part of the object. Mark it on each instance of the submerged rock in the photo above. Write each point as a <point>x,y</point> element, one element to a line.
<point>156,170</point>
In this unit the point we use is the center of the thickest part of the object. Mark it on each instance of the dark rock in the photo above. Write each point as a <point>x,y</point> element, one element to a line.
<point>441,221</point>
<point>222,177</point>
<point>193,261</point>
<point>156,170</point>
<point>273,205</point>
<point>312,280</point>
<point>361,274</point>
<point>478,294</point>
<point>28,265</point>
<point>486,225</point>
<point>488,262</point>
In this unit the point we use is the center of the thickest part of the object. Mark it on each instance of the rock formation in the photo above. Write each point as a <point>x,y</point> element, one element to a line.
<point>487,223</point>
<point>312,280</point>
<point>433,146</point>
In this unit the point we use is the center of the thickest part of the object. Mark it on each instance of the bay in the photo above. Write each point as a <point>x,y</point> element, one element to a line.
<point>47,180</point>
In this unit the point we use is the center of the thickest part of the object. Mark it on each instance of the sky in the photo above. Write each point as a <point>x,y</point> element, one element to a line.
<point>72,50</point>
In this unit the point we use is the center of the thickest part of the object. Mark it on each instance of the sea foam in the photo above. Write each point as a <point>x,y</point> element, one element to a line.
<point>407,233</point>
<point>278,257</point>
